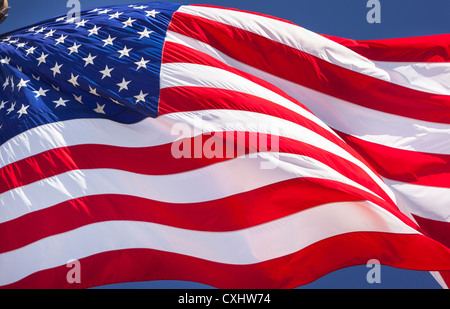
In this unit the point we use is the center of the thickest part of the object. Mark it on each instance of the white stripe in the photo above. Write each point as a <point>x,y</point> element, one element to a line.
<point>424,201</point>
<point>205,184</point>
<point>255,244</point>
<point>438,277</point>
<point>436,75</point>
<point>364,123</point>
<point>433,77</point>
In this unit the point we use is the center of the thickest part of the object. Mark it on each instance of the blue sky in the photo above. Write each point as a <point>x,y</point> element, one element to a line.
<point>344,18</point>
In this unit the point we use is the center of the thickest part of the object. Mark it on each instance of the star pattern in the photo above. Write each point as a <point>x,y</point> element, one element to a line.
<point>73,80</point>
<point>22,83</point>
<point>142,63</point>
<point>123,84</point>
<point>83,64</point>
<point>124,52</point>
<point>109,41</point>
<point>74,48</point>
<point>42,58</point>
<point>145,33</point>
<point>106,72</point>
<point>61,39</point>
<point>89,59</point>
<point>56,69</point>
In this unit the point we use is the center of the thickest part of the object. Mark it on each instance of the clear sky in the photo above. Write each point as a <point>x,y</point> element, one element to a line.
<point>344,18</point>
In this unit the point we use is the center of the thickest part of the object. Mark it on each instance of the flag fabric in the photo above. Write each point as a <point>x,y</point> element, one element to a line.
<point>187,142</point>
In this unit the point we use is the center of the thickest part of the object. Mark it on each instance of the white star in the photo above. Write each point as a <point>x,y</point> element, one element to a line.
<point>23,110</point>
<point>20,45</point>
<point>60,102</point>
<point>5,60</point>
<point>89,59</point>
<point>32,29</point>
<point>94,10</point>
<point>106,72</point>
<point>2,105</point>
<point>78,98</point>
<point>54,87</point>
<point>140,97</point>
<point>42,58</point>
<point>145,33</point>
<point>142,63</point>
<point>50,33</point>
<point>115,15</point>
<point>124,52</point>
<point>61,39</point>
<point>128,23</point>
<point>56,68</point>
<point>108,41</point>
<point>94,30</point>
<point>41,30</point>
<point>140,7</point>
<point>152,13</point>
<point>30,50</point>
<point>12,84</point>
<point>36,77</point>
<point>13,41</point>
<point>123,84</point>
<point>60,19</point>
<point>19,68</point>
<point>22,83</point>
<point>100,109</point>
<point>70,20</point>
<point>74,48</point>
<point>9,110</point>
<point>93,91</point>
<point>73,80</point>
<point>6,82</point>
<point>105,11</point>
<point>117,102</point>
<point>40,92</point>
<point>81,23</point>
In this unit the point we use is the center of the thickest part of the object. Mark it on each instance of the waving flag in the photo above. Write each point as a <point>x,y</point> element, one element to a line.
<point>159,141</point>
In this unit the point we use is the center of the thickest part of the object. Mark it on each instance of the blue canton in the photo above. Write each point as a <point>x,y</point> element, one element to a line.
<point>105,64</point>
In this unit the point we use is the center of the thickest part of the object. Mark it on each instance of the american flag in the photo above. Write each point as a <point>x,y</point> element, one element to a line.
<point>188,142</point>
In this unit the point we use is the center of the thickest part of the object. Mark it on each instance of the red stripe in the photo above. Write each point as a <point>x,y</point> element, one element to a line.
<point>131,265</point>
<point>438,230</point>
<point>427,169</point>
<point>433,48</point>
<point>234,212</point>
<point>316,73</point>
